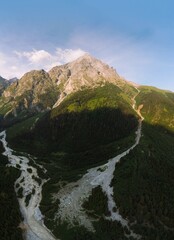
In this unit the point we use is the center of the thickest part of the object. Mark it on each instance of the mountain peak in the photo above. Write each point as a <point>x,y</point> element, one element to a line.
<point>88,62</point>
<point>85,72</point>
<point>86,56</point>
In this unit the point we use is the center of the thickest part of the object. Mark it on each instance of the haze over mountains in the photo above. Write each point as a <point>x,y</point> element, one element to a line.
<point>107,146</point>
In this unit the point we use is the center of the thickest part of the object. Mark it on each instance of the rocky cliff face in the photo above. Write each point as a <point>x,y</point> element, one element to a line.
<point>34,92</point>
<point>36,81</point>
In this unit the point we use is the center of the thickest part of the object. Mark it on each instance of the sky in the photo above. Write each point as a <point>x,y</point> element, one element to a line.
<point>136,37</point>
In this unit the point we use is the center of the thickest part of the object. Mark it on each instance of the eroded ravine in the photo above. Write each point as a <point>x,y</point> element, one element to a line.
<point>73,195</point>
<point>29,187</point>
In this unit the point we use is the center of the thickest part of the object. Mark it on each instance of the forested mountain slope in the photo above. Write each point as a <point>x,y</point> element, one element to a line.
<point>83,121</point>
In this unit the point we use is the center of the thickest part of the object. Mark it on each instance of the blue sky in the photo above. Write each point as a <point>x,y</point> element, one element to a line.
<point>134,36</point>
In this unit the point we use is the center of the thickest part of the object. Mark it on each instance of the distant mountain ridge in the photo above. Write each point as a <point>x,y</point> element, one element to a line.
<point>12,80</point>
<point>3,84</point>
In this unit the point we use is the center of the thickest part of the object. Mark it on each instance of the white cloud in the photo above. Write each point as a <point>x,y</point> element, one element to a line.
<point>68,55</point>
<point>35,56</point>
<point>60,56</point>
<point>17,63</point>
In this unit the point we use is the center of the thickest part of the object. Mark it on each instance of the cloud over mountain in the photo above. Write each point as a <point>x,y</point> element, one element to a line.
<point>19,62</point>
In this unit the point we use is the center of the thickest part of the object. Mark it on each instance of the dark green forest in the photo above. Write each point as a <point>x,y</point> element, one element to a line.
<point>143,185</point>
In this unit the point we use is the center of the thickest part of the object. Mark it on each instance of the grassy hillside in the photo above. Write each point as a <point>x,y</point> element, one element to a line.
<point>158,106</point>
<point>109,96</point>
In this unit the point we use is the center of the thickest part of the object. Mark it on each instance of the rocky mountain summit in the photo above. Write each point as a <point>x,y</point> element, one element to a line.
<point>86,71</point>
<point>39,91</point>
